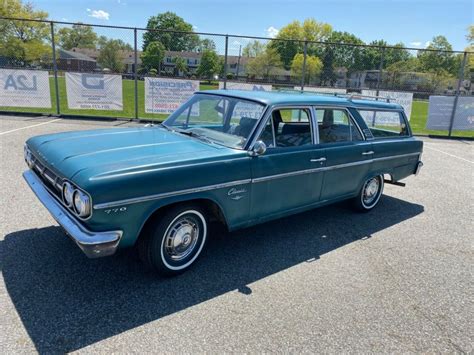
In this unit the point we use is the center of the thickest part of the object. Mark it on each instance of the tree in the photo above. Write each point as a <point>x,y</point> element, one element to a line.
<point>470,35</point>
<point>153,56</point>
<point>313,66</point>
<point>349,57</point>
<point>441,60</point>
<point>309,30</point>
<point>209,65</point>
<point>79,36</point>
<point>253,49</point>
<point>207,44</point>
<point>180,65</point>
<point>102,41</point>
<point>24,42</point>
<point>172,41</point>
<point>110,56</point>
<point>265,64</point>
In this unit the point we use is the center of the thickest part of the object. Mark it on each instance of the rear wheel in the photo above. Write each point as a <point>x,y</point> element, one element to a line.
<point>174,240</point>
<point>369,194</point>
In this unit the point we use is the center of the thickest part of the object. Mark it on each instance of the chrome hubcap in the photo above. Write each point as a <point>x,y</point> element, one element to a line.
<point>370,190</point>
<point>181,238</point>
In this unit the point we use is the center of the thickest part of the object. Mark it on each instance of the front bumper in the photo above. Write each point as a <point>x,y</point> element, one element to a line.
<point>93,244</point>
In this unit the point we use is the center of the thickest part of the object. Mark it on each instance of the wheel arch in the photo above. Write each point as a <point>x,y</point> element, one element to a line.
<point>213,208</point>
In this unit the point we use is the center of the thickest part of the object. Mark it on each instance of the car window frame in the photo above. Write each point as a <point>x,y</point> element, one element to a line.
<point>349,115</point>
<point>268,116</point>
<point>402,114</point>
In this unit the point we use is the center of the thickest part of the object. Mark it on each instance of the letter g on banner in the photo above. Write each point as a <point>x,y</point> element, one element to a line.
<point>93,81</point>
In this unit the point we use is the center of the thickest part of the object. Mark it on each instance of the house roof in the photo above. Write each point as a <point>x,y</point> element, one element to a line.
<point>301,98</point>
<point>64,54</point>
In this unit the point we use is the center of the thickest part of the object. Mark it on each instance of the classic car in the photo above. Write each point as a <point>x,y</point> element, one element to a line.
<point>235,157</point>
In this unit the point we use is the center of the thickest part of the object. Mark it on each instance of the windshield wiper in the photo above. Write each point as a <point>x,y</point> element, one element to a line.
<point>195,135</point>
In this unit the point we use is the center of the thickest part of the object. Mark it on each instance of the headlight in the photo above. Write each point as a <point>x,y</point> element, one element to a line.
<point>28,157</point>
<point>82,204</point>
<point>68,192</point>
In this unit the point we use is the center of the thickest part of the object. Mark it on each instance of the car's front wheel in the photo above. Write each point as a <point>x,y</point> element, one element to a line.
<point>370,193</point>
<point>174,240</point>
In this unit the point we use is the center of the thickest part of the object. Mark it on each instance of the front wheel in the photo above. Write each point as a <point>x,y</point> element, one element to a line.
<point>369,194</point>
<point>174,240</point>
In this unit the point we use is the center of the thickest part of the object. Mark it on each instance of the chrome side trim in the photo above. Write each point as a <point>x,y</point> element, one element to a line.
<point>240,182</point>
<point>170,194</point>
<point>93,244</point>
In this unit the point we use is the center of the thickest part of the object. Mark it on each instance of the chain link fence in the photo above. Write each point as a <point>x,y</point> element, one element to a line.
<point>68,69</point>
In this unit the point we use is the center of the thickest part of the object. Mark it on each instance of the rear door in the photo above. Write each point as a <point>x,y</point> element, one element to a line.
<point>348,155</point>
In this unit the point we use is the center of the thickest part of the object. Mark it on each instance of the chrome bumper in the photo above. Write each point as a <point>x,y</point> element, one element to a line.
<point>419,165</point>
<point>93,244</point>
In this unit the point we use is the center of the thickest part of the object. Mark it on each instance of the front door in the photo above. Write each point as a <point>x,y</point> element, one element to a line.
<point>285,177</point>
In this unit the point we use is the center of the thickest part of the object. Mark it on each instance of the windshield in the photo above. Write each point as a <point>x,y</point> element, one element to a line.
<point>220,119</point>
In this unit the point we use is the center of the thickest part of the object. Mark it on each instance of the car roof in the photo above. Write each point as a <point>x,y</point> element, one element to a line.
<point>302,98</point>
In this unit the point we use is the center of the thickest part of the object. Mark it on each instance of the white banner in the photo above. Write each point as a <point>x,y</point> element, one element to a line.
<point>166,95</point>
<point>440,111</point>
<point>245,86</point>
<point>94,91</point>
<point>24,88</point>
<point>322,90</point>
<point>405,99</point>
<point>242,109</point>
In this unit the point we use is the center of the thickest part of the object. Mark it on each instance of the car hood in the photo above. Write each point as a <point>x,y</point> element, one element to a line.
<point>89,154</point>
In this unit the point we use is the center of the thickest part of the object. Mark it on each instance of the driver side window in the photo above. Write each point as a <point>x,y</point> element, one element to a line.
<point>288,127</point>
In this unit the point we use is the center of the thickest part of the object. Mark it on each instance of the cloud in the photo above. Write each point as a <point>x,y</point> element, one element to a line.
<point>415,44</point>
<point>99,14</point>
<point>427,43</point>
<point>272,32</point>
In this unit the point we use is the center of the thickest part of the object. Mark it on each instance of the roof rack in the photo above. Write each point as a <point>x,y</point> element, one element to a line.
<point>377,98</point>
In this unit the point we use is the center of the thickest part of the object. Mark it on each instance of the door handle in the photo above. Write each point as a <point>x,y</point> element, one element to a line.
<point>370,152</point>
<point>318,160</point>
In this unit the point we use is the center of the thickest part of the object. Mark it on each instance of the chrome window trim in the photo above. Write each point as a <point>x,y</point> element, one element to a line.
<point>268,115</point>
<point>241,182</point>
<point>402,115</point>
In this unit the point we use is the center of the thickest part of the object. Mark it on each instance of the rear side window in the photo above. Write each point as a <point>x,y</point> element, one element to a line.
<point>335,125</point>
<point>385,124</point>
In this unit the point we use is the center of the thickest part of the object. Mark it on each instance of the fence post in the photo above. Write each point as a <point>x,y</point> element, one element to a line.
<point>55,70</point>
<point>135,70</point>
<point>379,76</point>
<point>225,60</point>
<point>458,87</point>
<point>303,70</point>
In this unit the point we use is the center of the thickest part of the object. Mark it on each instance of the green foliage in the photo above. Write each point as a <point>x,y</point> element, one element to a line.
<point>110,56</point>
<point>24,42</point>
<point>102,41</point>
<point>210,65</point>
<point>153,56</point>
<point>349,57</point>
<point>265,64</point>
<point>313,67</point>
<point>79,36</point>
<point>171,41</point>
<point>309,30</point>
<point>153,72</point>
<point>439,62</point>
<point>207,44</point>
<point>181,65</point>
<point>253,49</point>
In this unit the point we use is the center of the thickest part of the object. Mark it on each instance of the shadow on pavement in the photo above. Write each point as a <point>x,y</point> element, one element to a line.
<point>67,301</point>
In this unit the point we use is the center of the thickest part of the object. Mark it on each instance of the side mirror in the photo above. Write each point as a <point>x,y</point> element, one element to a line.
<point>259,148</point>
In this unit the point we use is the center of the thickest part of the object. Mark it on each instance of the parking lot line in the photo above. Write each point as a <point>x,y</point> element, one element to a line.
<point>35,125</point>
<point>451,155</point>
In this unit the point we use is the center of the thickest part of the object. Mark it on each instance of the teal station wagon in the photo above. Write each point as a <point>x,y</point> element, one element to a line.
<point>237,157</point>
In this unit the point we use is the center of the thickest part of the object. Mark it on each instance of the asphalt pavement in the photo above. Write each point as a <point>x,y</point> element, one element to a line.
<point>398,279</point>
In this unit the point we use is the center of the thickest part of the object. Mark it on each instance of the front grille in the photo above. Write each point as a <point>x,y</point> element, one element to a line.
<point>49,178</point>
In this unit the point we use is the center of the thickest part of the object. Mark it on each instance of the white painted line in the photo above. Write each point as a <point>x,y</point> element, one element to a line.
<point>451,155</point>
<point>35,125</point>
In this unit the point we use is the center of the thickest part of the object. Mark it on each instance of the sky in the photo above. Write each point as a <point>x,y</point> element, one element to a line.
<point>413,22</point>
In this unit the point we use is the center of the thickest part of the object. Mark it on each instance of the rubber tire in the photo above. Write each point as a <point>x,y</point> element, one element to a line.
<point>357,201</point>
<point>150,244</point>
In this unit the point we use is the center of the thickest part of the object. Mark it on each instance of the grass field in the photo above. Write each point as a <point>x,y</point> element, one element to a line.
<point>419,113</point>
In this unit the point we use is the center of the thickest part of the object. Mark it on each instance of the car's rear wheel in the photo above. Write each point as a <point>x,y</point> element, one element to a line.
<point>174,240</point>
<point>370,193</point>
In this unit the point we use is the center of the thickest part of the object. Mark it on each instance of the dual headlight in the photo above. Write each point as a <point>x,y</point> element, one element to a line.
<point>79,201</point>
<point>28,157</point>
